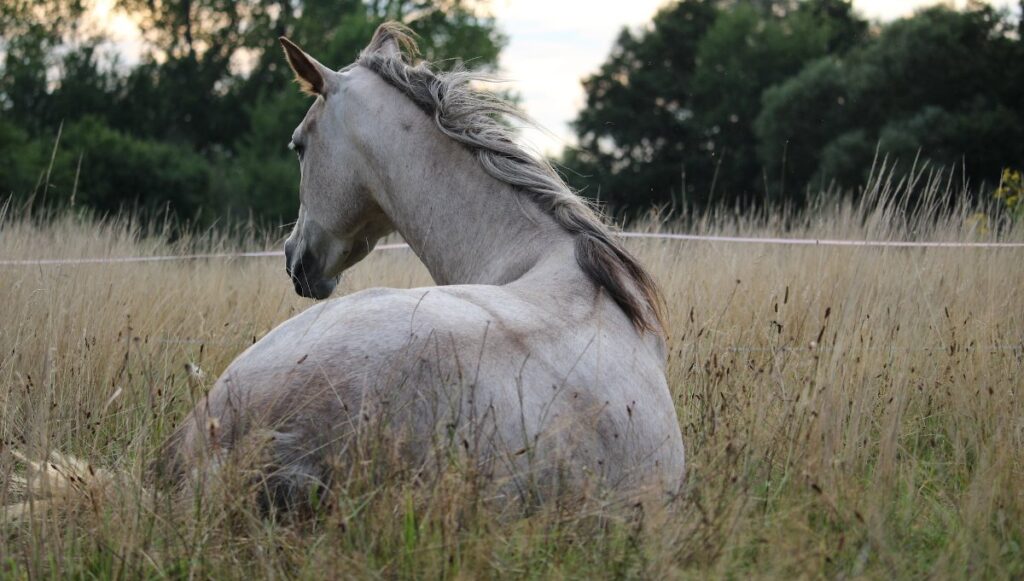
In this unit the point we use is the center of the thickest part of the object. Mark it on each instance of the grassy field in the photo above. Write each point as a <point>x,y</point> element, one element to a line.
<point>847,412</point>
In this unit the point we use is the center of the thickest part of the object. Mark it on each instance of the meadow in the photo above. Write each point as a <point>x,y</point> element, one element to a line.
<point>847,412</point>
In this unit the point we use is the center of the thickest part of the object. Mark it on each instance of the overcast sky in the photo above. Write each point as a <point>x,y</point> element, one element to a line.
<point>555,43</point>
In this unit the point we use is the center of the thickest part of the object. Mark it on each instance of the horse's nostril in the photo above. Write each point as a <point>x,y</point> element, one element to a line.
<point>291,268</point>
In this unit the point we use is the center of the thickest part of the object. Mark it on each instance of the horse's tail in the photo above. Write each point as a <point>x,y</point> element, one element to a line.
<point>58,481</point>
<point>61,482</point>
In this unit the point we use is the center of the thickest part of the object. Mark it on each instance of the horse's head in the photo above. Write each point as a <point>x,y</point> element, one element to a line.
<point>339,221</point>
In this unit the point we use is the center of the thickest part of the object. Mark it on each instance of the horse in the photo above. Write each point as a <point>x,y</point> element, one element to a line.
<point>539,357</point>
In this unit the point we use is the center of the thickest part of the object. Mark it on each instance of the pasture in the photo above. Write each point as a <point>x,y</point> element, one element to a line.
<point>847,412</point>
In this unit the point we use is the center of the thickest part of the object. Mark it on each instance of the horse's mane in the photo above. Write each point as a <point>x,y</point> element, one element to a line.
<point>472,118</point>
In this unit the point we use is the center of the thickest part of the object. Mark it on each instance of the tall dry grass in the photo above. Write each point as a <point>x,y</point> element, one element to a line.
<point>847,412</point>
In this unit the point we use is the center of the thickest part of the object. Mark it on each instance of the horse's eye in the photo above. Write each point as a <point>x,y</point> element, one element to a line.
<point>298,148</point>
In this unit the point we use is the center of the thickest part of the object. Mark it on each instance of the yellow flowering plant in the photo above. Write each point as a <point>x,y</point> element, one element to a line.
<point>1011,192</point>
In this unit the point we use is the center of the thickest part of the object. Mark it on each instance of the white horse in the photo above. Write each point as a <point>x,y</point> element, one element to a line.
<point>540,357</point>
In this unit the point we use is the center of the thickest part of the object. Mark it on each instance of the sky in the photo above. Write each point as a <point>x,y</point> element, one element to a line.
<point>552,46</point>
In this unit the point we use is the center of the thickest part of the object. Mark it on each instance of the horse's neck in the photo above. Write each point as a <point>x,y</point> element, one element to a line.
<point>466,227</point>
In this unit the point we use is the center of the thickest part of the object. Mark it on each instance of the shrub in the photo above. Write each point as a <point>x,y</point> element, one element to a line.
<point>1010,192</point>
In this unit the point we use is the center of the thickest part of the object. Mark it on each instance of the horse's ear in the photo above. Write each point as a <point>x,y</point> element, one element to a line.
<point>311,75</point>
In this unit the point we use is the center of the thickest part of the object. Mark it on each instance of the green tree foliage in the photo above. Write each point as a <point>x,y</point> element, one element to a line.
<point>716,101</point>
<point>637,132</point>
<point>202,122</point>
<point>22,159</point>
<point>670,115</point>
<point>940,88</point>
<point>116,167</point>
<point>760,99</point>
<point>30,35</point>
<point>745,52</point>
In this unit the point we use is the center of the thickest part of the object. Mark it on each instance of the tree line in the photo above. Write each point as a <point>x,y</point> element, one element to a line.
<point>760,101</point>
<point>716,101</point>
<point>201,123</point>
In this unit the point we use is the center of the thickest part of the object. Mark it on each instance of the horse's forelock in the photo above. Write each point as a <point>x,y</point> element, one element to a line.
<point>393,37</point>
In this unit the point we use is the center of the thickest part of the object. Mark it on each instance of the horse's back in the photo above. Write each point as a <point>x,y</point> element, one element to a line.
<point>549,392</point>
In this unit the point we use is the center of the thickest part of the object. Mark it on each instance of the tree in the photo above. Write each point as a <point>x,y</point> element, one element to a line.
<point>941,87</point>
<point>33,31</point>
<point>637,130</point>
<point>203,121</point>
<point>670,116</point>
<point>745,52</point>
<point>799,118</point>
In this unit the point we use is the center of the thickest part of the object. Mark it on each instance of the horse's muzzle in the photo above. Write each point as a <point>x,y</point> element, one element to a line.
<point>307,275</point>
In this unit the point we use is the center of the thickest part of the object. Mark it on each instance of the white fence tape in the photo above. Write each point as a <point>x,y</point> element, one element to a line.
<point>121,259</point>
<point>126,259</point>
<point>651,235</point>
<point>822,241</point>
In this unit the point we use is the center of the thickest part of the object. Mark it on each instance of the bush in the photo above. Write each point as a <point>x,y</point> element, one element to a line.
<point>22,161</point>
<point>108,170</point>
<point>1010,193</point>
